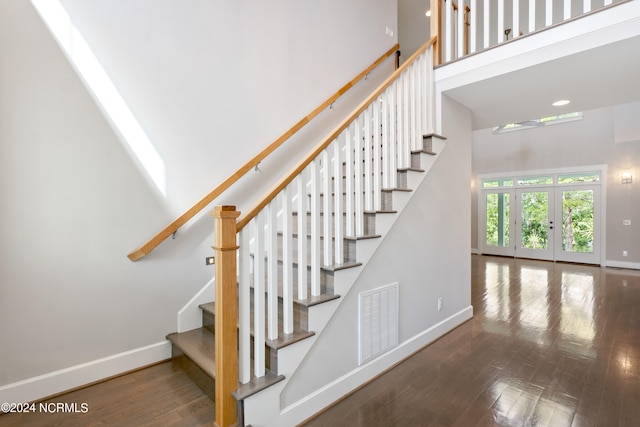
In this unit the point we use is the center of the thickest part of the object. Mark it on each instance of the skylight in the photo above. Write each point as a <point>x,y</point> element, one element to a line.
<point>536,123</point>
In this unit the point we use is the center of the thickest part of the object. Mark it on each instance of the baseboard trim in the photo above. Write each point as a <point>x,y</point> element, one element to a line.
<point>317,401</point>
<point>622,264</point>
<point>57,382</point>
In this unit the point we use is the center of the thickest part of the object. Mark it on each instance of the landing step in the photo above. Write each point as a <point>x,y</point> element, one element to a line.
<point>199,346</point>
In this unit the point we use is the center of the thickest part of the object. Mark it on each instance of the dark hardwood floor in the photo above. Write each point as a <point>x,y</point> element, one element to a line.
<point>155,396</point>
<point>550,344</point>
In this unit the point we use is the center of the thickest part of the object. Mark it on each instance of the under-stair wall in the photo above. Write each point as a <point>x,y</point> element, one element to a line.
<point>425,251</point>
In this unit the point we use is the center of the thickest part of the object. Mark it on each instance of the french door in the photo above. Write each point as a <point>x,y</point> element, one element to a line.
<point>548,218</point>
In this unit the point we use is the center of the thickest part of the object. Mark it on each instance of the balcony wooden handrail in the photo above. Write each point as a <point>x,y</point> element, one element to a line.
<point>206,200</point>
<point>242,222</point>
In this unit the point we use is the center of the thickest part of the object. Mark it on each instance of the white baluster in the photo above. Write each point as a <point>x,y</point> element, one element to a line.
<point>386,178</point>
<point>516,19</point>
<point>399,121</point>
<point>258,297</point>
<point>287,262</point>
<point>272,270</point>
<point>431,103</point>
<point>393,137</point>
<point>368,188</point>
<point>567,10</point>
<point>326,211</point>
<point>302,236</point>
<point>411,75</point>
<point>337,209</point>
<point>358,188</point>
<point>349,183</point>
<point>487,25</point>
<point>586,6</point>
<point>473,36</point>
<point>532,15</point>
<point>244,309</point>
<point>405,122</point>
<point>500,21</point>
<point>377,167</point>
<point>461,38</point>
<point>448,33</point>
<point>607,2</point>
<point>315,227</point>
<point>548,13</point>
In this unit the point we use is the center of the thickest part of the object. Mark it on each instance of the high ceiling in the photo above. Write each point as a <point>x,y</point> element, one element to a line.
<point>599,77</point>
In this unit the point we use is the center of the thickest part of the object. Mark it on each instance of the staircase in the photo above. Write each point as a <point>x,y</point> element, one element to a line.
<point>297,247</point>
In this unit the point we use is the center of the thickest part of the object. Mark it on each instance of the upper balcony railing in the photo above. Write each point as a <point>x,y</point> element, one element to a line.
<point>464,27</point>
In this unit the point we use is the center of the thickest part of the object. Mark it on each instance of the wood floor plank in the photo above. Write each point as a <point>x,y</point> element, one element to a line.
<point>550,344</point>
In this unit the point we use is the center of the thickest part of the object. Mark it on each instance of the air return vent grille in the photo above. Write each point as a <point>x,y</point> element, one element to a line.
<point>378,321</point>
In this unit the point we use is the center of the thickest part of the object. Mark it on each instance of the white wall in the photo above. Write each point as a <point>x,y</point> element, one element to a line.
<point>589,141</point>
<point>211,84</point>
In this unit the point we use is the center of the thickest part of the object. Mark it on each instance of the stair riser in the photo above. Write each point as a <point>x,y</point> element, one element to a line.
<point>181,361</point>
<point>369,224</point>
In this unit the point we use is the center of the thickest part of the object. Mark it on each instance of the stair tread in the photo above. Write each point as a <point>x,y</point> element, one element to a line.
<point>256,385</point>
<point>431,153</point>
<point>199,345</point>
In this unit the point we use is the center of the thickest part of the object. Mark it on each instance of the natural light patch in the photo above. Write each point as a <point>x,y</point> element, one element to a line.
<point>99,83</point>
<point>536,123</point>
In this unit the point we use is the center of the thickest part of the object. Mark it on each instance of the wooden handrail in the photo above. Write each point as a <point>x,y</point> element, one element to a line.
<point>333,135</point>
<point>206,200</point>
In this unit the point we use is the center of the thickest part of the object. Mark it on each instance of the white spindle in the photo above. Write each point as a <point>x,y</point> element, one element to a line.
<point>244,309</point>
<point>258,296</point>
<point>368,187</point>
<point>411,71</point>
<point>461,27</point>
<point>393,136</point>
<point>516,18</point>
<point>302,236</point>
<point>448,33</point>
<point>500,21</point>
<point>405,122</point>
<point>272,271</point>
<point>287,262</point>
<point>532,15</point>
<point>385,139</point>
<point>399,120</point>
<point>357,172</point>
<point>487,23</point>
<point>326,210</point>
<point>377,170</point>
<point>548,13</point>
<point>586,6</point>
<point>349,184</point>
<point>473,36</point>
<point>315,227</point>
<point>567,9</point>
<point>338,233</point>
<point>607,2</point>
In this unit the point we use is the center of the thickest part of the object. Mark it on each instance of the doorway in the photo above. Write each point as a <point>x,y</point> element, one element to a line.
<point>550,216</point>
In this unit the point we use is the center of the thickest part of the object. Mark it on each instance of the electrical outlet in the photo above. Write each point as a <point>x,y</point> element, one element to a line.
<point>625,253</point>
<point>439,304</point>
<point>626,222</point>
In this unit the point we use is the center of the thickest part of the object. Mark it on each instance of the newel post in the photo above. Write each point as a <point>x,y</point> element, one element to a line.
<point>226,307</point>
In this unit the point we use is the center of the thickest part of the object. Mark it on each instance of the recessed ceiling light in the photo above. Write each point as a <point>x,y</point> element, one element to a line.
<point>561,102</point>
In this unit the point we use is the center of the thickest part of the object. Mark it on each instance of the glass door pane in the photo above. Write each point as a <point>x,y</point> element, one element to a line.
<point>535,226</point>
<point>577,221</point>
<point>497,220</point>
<point>578,233</point>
